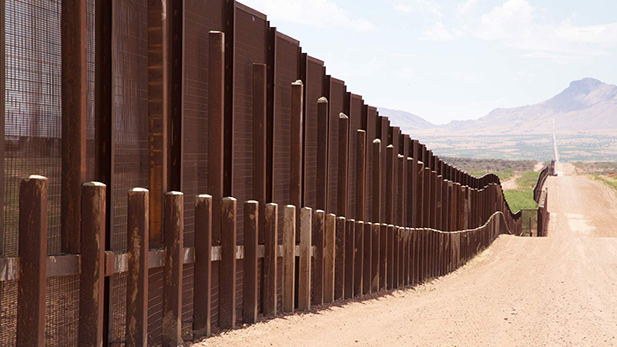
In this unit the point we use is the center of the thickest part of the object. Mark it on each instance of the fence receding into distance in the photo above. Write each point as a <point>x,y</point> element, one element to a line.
<point>294,191</point>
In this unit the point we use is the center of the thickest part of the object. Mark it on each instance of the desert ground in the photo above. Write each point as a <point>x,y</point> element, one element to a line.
<point>555,291</point>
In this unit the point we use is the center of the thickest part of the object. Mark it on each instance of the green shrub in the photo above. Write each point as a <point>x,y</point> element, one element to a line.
<point>520,199</point>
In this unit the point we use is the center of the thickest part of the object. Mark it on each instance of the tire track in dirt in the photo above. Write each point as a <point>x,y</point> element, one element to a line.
<point>555,291</point>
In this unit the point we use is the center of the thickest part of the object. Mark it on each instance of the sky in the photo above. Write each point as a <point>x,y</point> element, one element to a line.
<point>450,60</point>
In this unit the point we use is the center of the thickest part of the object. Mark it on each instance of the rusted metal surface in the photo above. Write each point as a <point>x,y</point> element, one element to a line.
<point>92,278</point>
<point>172,289</point>
<point>349,249</point>
<point>74,83</point>
<point>358,258</point>
<point>2,113</point>
<point>158,58</point>
<point>390,257</point>
<point>376,181</point>
<point>367,250</point>
<point>295,145</point>
<point>270,272</point>
<point>321,181</point>
<point>383,255</point>
<point>360,182</point>
<point>250,280</point>
<point>375,257</point>
<point>137,263</point>
<point>202,321</point>
<point>259,142</point>
<point>339,260</point>
<point>336,98</point>
<point>332,223</point>
<point>289,257</point>
<point>304,273</point>
<point>371,114</point>
<point>33,261</point>
<point>355,109</point>
<point>317,266</point>
<point>389,180</point>
<point>227,283</point>
<point>315,136</point>
<point>343,162</point>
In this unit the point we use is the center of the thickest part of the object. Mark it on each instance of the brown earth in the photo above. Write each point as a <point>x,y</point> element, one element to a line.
<point>555,291</point>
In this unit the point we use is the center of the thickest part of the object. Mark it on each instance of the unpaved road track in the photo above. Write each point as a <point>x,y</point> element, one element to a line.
<point>555,291</point>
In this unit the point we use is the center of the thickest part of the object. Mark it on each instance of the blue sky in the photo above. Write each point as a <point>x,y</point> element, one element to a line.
<point>453,59</point>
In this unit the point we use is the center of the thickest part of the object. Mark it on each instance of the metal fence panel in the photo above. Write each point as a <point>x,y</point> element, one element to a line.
<point>338,93</point>
<point>356,106</point>
<point>314,90</point>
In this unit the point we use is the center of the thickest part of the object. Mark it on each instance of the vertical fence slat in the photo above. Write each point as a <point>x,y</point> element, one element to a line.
<point>297,105</point>
<point>33,261</point>
<point>367,249</point>
<point>202,283</point>
<point>317,268</point>
<point>358,257</point>
<point>137,280</point>
<point>390,259</point>
<point>249,281</point>
<point>339,261</point>
<point>383,254</point>
<point>289,257</point>
<point>270,260</point>
<point>376,193</point>
<point>390,162</point>
<point>172,281</point>
<point>361,174</point>
<point>342,164</point>
<point>227,278</point>
<point>92,274</point>
<point>322,152</point>
<point>216,110</point>
<point>74,106</point>
<point>349,258</point>
<point>304,273</point>
<point>375,257</point>
<point>260,147</point>
<point>332,224</point>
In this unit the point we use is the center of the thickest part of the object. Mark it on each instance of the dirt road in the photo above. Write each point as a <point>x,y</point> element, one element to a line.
<point>554,291</point>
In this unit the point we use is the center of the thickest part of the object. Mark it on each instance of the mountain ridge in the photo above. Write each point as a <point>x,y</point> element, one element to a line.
<point>587,104</point>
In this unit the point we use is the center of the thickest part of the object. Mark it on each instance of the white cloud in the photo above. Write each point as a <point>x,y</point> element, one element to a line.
<point>437,32</point>
<point>406,73</point>
<point>467,6</point>
<point>523,76</point>
<point>418,7</point>
<point>519,25</point>
<point>468,76</point>
<point>317,13</point>
<point>513,18</point>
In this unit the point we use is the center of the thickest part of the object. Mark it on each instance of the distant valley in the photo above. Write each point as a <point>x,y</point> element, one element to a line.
<point>584,117</point>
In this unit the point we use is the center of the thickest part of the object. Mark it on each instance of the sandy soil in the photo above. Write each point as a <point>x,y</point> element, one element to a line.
<point>538,167</point>
<point>555,291</point>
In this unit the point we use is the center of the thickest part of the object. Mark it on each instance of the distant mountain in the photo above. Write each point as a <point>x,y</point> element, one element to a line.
<point>586,105</point>
<point>405,120</point>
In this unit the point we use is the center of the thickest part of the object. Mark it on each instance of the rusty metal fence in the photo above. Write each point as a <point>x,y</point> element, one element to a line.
<point>330,201</point>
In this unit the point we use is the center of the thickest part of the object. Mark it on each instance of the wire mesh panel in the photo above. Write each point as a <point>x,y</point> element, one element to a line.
<point>395,136</point>
<point>314,90</point>
<point>250,46</point>
<point>200,17</point>
<point>356,106</point>
<point>130,107</point>
<point>338,92</point>
<point>286,71</point>
<point>8,313</point>
<point>33,123</point>
<point>90,61</point>
<point>371,119</point>
<point>384,126</point>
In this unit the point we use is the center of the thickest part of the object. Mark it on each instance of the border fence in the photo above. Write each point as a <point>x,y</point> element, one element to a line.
<point>312,196</point>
